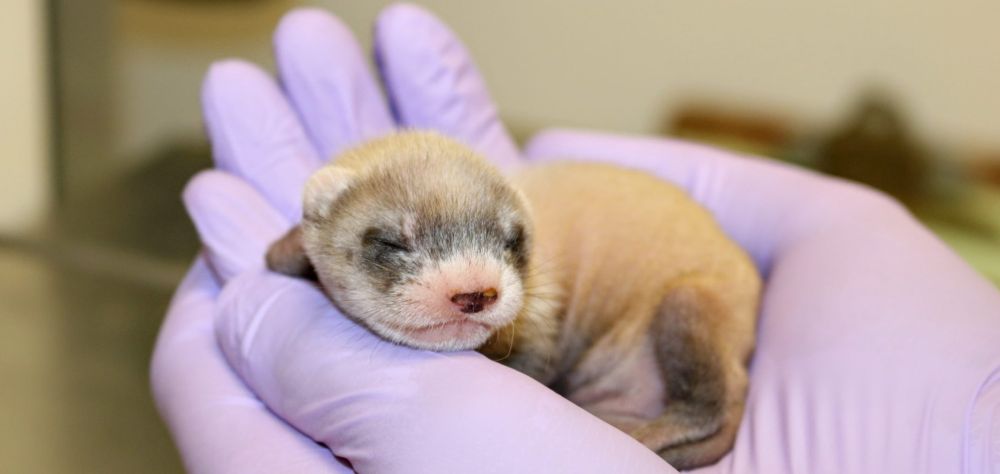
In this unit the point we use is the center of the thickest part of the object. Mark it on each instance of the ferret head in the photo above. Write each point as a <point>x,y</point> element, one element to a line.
<point>419,239</point>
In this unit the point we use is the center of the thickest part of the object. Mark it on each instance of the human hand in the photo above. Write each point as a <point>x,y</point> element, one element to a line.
<point>380,407</point>
<point>826,394</point>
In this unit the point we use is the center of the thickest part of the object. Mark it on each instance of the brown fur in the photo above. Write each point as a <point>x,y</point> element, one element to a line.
<point>636,305</point>
<point>288,256</point>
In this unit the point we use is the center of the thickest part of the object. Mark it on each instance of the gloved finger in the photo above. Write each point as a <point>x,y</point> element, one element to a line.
<point>216,422</point>
<point>326,78</point>
<point>433,83</point>
<point>386,408</point>
<point>256,135</point>
<point>764,205</point>
<point>235,223</point>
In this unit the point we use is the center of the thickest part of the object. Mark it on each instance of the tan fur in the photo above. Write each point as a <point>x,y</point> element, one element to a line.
<point>636,306</point>
<point>620,244</point>
<point>529,344</point>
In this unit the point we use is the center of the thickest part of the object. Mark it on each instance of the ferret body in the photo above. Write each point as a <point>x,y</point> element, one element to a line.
<point>609,285</point>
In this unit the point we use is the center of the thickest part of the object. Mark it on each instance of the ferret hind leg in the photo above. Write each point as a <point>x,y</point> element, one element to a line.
<point>694,333</point>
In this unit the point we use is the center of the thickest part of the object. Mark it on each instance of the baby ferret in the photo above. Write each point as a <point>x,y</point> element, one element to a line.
<point>608,285</point>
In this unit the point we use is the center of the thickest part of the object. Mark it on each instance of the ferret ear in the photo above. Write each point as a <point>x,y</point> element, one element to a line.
<point>323,188</point>
<point>288,256</point>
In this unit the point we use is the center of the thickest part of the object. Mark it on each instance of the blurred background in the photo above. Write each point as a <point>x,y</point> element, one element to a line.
<point>101,127</point>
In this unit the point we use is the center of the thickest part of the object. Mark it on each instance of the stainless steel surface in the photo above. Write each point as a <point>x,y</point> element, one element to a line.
<point>80,306</point>
<point>82,298</point>
<point>74,356</point>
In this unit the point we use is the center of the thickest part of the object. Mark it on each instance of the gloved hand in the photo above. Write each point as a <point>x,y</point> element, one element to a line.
<point>380,407</point>
<point>877,349</point>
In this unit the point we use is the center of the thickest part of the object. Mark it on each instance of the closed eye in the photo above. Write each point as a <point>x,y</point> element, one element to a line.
<point>391,244</point>
<point>515,241</point>
<point>384,240</point>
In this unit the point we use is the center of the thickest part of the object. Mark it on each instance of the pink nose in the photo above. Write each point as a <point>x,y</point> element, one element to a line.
<point>475,302</point>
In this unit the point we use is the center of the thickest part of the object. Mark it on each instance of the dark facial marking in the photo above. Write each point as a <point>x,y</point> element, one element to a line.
<point>516,245</point>
<point>386,257</point>
<point>385,240</point>
<point>444,235</point>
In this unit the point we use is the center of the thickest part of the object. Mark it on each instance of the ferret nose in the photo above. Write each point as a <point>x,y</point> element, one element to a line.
<point>475,302</point>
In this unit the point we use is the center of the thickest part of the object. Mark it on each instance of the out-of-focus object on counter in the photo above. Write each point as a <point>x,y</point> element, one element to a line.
<point>875,146</point>
<point>743,129</point>
<point>986,168</point>
<point>955,194</point>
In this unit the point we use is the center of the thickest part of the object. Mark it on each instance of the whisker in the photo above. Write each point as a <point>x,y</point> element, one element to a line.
<point>510,347</point>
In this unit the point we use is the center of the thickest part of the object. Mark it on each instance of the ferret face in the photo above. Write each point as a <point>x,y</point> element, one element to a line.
<point>428,252</point>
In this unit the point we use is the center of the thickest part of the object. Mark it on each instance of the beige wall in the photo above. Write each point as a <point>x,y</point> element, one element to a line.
<point>24,173</point>
<point>619,65</point>
<point>162,50</point>
<point>623,65</point>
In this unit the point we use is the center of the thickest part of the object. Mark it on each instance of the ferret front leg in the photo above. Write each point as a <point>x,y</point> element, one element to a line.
<point>287,256</point>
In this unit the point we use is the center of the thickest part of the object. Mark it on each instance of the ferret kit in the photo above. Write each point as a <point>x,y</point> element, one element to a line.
<point>608,285</point>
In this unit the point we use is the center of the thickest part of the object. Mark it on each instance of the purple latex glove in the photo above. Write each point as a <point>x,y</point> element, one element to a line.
<point>381,407</point>
<point>878,348</point>
<point>909,387</point>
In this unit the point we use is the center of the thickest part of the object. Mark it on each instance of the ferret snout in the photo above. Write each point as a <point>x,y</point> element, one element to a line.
<point>476,301</point>
<point>466,287</point>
